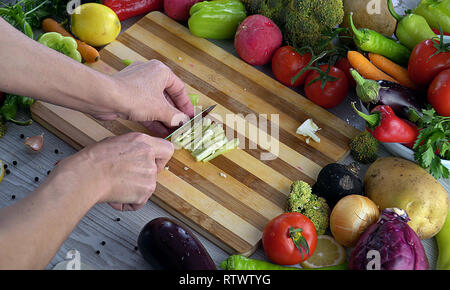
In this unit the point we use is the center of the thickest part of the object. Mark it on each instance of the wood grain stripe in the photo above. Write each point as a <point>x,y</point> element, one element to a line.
<point>200,221</point>
<point>238,78</point>
<point>220,89</point>
<point>293,157</point>
<point>255,75</point>
<point>278,171</point>
<point>210,207</point>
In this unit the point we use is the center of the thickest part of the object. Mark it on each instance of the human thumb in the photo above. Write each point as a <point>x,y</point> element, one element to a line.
<point>172,117</point>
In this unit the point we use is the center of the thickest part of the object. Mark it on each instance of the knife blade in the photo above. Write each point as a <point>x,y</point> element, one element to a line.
<point>192,121</point>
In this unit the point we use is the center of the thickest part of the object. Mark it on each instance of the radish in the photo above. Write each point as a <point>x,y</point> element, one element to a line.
<point>179,9</point>
<point>257,39</point>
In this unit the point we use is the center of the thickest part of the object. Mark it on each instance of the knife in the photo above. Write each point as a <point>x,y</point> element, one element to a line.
<point>191,122</point>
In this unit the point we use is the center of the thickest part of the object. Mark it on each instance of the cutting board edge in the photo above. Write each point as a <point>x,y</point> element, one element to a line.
<point>200,230</point>
<point>39,107</point>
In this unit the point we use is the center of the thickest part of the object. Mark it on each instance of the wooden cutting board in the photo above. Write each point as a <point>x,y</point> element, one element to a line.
<point>231,211</point>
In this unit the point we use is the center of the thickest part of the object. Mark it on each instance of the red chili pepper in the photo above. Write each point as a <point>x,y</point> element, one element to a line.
<point>386,127</point>
<point>129,8</point>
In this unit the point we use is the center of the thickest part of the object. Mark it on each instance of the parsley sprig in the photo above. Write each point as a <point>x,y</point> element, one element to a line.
<point>432,144</point>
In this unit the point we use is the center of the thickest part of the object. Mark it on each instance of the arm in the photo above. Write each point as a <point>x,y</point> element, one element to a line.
<point>120,170</point>
<point>142,92</point>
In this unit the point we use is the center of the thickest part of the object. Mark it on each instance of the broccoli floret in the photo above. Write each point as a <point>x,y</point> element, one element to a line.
<point>364,148</point>
<point>303,22</point>
<point>302,200</point>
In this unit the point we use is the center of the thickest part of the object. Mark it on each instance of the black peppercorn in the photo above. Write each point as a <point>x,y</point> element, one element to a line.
<point>117,219</point>
<point>5,166</point>
<point>56,151</point>
<point>36,179</point>
<point>14,162</point>
<point>22,136</point>
<point>136,248</point>
<point>97,252</point>
<point>103,243</point>
<point>7,171</point>
<point>13,196</point>
<point>48,172</point>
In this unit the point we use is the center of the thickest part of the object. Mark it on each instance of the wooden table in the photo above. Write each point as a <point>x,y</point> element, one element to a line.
<point>101,223</point>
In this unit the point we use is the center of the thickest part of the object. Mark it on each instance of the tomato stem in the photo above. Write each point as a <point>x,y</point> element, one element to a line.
<point>299,240</point>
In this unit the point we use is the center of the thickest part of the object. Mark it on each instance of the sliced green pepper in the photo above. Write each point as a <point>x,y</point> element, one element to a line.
<point>216,19</point>
<point>412,29</point>
<point>66,45</point>
<point>436,12</point>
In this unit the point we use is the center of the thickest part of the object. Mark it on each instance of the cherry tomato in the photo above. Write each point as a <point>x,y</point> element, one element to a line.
<point>439,93</point>
<point>281,232</point>
<point>287,63</point>
<point>423,69</point>
<point>344,65</point>
<point>333,93</point>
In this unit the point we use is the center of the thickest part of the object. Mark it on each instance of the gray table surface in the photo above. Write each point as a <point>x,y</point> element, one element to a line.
<point>100,223</point>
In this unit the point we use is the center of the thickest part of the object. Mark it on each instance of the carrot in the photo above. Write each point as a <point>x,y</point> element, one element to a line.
<point>366,68</point>
<point>89,53</point>
<point>388,66</point>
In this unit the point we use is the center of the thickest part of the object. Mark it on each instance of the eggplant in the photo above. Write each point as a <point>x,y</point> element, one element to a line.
<point>336,181</point>
<point>400,98</point>
<point>166,244</point>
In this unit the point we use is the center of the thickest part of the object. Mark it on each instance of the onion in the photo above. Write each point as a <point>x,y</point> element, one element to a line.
<point>351,216</point>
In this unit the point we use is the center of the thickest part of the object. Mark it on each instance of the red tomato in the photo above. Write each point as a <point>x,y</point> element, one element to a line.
<point>287,63</point>
<point>423,69</point>
<point>278,243</point>
<point>333,93</point>
<point>439,93</point>
<point>344,65</point>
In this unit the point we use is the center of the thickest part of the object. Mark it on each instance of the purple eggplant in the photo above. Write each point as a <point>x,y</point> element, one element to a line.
<point>166,244</point>
<point>389,244</point>
<point>400,98</point>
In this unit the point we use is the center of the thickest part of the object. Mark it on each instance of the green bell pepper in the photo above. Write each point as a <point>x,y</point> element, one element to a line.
<point>66,45</point>
<point>436,12</point>
<point>216,19</point>
<point>412,29</point>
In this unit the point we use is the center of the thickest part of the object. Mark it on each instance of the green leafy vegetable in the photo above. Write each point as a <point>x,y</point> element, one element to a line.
<point>432,144</point>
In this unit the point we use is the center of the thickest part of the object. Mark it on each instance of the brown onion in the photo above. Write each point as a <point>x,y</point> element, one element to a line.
<point>351,216</point>
<point>35,143</point>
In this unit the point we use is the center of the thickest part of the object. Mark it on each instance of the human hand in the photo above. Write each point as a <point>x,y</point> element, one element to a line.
<point>119,170</point>
<point>152,94</point>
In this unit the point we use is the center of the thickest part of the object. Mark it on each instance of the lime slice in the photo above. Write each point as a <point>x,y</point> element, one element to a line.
<point>2,171</point>
<point>328,253</point>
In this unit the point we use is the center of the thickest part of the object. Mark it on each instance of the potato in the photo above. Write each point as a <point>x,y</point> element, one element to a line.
<point>395,182</point>
<point>365,15</point>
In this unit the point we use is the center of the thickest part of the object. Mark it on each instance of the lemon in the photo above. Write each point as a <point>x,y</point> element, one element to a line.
<point>328,253</point>
<point>2,171</point>
<point>95,24</point>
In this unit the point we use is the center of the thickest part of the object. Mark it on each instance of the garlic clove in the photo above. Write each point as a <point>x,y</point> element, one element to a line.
<point>34,143</point>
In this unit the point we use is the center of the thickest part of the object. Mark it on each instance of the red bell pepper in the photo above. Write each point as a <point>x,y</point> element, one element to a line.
<point>439,32</point>
<point>129,8</point>
<point>386,127</point>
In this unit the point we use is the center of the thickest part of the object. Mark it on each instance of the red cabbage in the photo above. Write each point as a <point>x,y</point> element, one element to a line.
<point>389,244</point>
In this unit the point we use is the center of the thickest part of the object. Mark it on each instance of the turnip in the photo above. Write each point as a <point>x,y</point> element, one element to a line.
<point>257,39</point>
<point>179,9</point>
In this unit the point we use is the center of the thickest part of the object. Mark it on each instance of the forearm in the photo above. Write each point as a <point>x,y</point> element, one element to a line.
<point>31,69</point>
<point>33,229</point>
